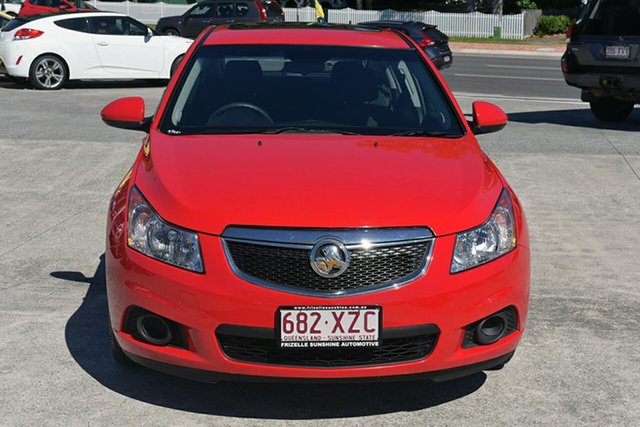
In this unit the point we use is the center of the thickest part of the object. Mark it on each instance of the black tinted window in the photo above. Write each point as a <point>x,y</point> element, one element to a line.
<point>15,23</point>
<point>223,9</point>
<point>201,11</point>
<point>76,24</point>
<point>242,9</point>
<point>259,88</point>
<point>611,18</point>
<point>117,26</point>
<point>51,3</point>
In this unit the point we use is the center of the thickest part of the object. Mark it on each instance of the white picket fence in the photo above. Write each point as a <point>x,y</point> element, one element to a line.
<point>454,24</point>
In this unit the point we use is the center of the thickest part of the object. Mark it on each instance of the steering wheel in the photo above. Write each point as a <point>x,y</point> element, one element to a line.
<point>238,105</point>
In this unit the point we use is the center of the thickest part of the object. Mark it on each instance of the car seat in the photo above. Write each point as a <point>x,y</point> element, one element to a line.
<point>353,87</point>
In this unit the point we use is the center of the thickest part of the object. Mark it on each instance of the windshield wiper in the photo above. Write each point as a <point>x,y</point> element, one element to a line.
<point>426,133</point>
<point>298,129</point>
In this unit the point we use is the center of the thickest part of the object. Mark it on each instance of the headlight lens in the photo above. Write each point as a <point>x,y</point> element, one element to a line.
<point>491,240</point>
<point>149,234</point>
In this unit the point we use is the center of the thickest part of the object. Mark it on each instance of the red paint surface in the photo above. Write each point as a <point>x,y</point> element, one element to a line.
<point>207,183</point>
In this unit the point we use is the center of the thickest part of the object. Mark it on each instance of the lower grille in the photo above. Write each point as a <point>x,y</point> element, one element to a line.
<point>265,350</point>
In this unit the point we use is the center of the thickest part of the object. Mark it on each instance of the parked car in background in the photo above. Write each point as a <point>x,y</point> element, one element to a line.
<point>310,202</point>
<point>217,12</point>
<point>11,7</point>
<point>326,4</point>
<point>5,18</point>
<point>433,41</point>
<point>39,7</point>
<point>603,57</point>
<point>51,49</point>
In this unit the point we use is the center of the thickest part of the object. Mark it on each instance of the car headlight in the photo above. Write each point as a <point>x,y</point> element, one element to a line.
<point>489,241</point>
<point>147,233</point>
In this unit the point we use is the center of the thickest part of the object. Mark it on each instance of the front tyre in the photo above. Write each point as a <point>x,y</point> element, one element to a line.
<point>171,32</point>
<point>48,72</point>
<point>611,110</point>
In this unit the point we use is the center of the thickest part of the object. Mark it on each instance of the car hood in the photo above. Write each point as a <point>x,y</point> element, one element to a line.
<point>206,183</point>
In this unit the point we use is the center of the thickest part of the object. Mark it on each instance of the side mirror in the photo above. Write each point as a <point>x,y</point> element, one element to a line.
<point>487,118</point>
<point>150,32</point>
<point>126,113</point>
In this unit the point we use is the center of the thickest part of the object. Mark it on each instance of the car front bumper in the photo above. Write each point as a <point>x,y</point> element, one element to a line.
<point>205,302</point>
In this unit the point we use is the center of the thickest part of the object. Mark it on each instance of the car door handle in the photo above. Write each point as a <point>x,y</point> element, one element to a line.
<point>103,44</point>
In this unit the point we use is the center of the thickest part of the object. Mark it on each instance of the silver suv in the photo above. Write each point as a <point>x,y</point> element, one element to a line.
<point>603,57</point>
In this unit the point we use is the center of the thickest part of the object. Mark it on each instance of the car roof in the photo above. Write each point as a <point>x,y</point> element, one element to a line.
<point>55,16</point>
<point>392,23</point>
<point>305,34</point>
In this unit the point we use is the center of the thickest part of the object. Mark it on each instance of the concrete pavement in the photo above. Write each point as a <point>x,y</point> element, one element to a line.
<point>509,49</point>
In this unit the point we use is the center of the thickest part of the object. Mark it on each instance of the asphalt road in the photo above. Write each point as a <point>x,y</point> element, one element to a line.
<point>538,77</point>
<point>578,364</point>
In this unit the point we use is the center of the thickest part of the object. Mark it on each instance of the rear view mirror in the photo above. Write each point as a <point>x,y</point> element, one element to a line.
<point>126,113</point>
<point>487,118</point>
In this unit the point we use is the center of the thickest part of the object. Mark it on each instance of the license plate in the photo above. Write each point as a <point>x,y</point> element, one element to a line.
<point>447,58</point>
<point>341,326</point>
<point>617,52</point>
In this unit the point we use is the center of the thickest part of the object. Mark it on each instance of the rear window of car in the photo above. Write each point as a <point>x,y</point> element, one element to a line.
<point>267,88</point>
<point>15,23</point>
<point>610,18</point>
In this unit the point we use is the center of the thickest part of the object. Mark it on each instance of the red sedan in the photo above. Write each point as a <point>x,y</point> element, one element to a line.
<point>310,203</point>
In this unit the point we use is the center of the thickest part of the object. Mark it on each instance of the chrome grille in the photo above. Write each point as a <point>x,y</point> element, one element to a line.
<point>379,263</point>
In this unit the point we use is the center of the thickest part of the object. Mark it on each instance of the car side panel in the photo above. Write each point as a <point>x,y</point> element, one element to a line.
<point>76,48</point>
<point>130,56</point>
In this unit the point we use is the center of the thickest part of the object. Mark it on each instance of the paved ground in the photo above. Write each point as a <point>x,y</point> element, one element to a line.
<point>552,50</point>
<point>579,362</point>
<point>514,76</point>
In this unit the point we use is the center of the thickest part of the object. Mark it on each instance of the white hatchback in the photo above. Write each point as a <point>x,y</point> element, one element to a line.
<point>52,49</point>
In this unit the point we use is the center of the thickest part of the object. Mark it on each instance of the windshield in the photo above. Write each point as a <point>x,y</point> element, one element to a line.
<point>611,18</point>
<point>292,88</point>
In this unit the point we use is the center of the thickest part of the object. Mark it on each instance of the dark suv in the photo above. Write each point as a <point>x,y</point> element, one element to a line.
<point>603,57</point>
<point>218,12</point>
<point>434,42</point>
